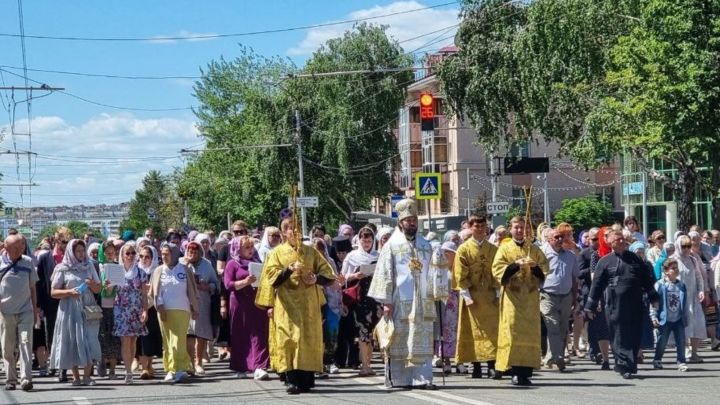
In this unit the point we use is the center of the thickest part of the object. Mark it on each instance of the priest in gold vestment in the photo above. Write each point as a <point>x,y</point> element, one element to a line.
<point>520,267</point>
<point>297,339</point>
<point>479,314</point>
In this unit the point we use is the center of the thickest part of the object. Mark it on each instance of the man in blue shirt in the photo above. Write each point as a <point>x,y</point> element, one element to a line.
<point>557,296</point>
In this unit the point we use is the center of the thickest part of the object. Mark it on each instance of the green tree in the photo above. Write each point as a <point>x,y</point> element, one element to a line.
<point>158,195</point>
<point>584,212</point>
<point>600,77</point>
<point>345,129</point>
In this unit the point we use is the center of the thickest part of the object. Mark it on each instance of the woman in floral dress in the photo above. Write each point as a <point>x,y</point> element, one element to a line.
<point>130,308</point>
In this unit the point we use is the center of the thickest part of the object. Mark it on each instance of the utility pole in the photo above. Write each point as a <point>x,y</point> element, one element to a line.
<point>467,181</point>
<point>546,200</point>
<point>644,204</point>
<point>301,180</point>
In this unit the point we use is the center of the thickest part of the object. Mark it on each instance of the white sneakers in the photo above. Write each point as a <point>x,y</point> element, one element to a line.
<point>333,369</point>
<point>261,375</point>
<point>169,377</point>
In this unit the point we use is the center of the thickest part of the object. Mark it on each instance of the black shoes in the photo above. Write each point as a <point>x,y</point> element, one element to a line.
<point>292,389</point>
<point>605,366</point>
<point>494,374</point>
<point>521,381</point>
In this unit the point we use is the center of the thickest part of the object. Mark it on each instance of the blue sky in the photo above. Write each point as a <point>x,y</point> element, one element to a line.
<point>90,154</point>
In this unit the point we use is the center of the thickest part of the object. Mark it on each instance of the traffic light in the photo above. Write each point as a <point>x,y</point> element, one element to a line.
<point>427,111</point>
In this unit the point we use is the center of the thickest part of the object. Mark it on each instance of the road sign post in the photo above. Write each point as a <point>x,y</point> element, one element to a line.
<point>428,186</point>
<point>305,202</point>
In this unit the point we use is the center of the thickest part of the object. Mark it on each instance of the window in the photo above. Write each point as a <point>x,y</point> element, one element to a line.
<point>520,149</point>
<point>415,114</point>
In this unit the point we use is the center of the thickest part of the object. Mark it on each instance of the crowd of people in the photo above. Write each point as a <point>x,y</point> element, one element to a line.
<point>508,299</point>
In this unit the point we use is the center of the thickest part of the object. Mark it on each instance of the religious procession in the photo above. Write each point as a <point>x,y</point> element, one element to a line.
<point>275,304</point>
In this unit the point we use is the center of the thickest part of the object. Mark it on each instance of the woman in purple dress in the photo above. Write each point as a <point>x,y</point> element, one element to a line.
<point>248,324</point>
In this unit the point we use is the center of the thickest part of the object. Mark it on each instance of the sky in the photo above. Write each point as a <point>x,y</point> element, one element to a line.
<point>98,150</point>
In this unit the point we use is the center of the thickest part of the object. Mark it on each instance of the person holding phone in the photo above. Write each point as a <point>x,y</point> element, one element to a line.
<point>75,283</point>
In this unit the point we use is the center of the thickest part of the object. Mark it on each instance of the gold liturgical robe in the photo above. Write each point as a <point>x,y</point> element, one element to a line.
<point>297,341</point>
<point>478,323</point>
<point>519,330</point>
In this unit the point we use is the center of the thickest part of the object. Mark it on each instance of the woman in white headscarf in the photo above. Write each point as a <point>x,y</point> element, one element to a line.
<point>691,274</point>
<point>366,311</point>
<point>150,345</point>
<point>130,309</point>
<point>75,283</point>
<point>271,238</point>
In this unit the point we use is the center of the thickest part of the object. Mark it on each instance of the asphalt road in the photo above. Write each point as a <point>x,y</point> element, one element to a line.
<point>583,383</point>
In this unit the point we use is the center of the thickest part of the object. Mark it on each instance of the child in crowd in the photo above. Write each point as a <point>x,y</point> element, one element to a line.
<point>671,315</point>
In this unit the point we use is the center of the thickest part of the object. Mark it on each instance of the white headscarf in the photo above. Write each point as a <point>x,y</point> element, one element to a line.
<point>71,262</point>
<point>153,263</point>
<point>132,272</point>
<point>359,256</point>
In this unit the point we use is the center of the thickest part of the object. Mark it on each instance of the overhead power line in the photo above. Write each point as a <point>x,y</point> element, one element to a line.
<point>215,36</point>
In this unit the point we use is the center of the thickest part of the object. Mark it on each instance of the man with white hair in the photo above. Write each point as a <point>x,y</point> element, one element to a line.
<point>18,311</point>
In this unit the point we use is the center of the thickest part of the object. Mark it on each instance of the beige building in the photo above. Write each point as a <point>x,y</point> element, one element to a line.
<point>467,182</point>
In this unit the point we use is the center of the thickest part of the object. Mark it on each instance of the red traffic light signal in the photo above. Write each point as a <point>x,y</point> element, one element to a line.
<point>427,106</point>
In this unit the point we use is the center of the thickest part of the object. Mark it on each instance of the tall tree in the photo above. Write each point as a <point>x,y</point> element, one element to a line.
<point>600,77</point>
<point>345,129</point>
<point>156,205</point>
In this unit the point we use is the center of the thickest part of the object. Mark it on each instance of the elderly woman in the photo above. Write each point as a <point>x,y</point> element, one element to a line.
<point>692,275</point>
<point>174,293</point>
<point>271,238</point>
<point>248,323</point>
<point>200,330</point>
<point>366,311</point>
<point>130,309</point>
<point>150,345</point>
<point>709,308</point>
<point>75,283</point>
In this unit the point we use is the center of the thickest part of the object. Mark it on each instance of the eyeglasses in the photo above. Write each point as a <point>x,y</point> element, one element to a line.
<point>239,231</point>
<point>144,256</point>
<point>275,235</point>
<point>685,246</point>
<point>662,237</point>
<point>594,239</point>
<point>130,253</point>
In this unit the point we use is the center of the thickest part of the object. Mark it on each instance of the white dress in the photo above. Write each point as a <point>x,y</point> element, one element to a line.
<point>410,292</point>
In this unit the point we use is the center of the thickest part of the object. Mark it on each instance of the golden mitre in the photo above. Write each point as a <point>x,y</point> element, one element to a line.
<point>406,208</point>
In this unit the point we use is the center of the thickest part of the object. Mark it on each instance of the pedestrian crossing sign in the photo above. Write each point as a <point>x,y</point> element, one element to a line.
<point>428,186</point>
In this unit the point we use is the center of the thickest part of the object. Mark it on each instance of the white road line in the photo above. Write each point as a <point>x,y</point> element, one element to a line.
<point>457,398</point>
<point>369,381</point>
<point>81,401</point>
<point>426,398</point>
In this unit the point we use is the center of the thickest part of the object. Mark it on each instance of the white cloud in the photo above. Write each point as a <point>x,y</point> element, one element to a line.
<point>192,37</point>
<point>403,27</point>
<point>100,160</point>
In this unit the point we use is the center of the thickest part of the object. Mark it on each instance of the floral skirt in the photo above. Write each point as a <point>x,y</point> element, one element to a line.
<point>367,314</point>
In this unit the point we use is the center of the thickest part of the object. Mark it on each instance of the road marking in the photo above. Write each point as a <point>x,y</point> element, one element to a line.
<point>457,398</point>
<point>368,381</point>
<point>81,401</point>
<point>425,398</point>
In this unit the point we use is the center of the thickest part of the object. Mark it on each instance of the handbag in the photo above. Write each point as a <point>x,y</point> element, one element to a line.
<point>93,312</point>
<point>351,295</point>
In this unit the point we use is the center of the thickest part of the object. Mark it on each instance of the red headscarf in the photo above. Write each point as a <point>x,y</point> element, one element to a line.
<point>603,248</point>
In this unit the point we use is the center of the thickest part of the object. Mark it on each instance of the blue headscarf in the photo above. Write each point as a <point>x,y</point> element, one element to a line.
<point>580,244</point>
<point>658,269</point>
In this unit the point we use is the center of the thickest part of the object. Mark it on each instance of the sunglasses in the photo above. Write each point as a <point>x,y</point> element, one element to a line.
<point>594,239</point>
<point>64,242</point>
<point>130,253</point>
<point>559,237</point>
<point>685,246</point>
<point>240,232</point>
<point>660,237</point>
<point>275,235</point>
